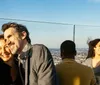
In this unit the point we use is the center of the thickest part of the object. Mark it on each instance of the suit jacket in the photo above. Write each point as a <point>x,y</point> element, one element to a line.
<point>72,73</point>
<point>39,66</point>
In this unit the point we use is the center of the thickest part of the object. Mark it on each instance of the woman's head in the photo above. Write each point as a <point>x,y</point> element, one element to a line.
<point>5,53</point>
<point>94,48</point>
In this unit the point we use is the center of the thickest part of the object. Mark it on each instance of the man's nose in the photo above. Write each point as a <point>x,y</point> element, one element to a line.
<point>7,41</point>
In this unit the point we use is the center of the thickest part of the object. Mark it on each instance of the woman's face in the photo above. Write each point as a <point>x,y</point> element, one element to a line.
<point>97,49</point>
<point>5,53</point>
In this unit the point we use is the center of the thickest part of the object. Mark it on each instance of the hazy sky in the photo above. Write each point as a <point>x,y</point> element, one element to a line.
<point>84,12</point>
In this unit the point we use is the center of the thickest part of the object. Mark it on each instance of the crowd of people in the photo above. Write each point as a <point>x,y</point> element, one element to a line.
<point>23,63</point>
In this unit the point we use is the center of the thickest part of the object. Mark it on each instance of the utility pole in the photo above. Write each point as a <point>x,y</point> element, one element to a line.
<point>74,33</point>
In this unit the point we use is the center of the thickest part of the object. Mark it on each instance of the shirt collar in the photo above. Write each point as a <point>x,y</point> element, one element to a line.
<point>68,60</point>
<point>25,52</point>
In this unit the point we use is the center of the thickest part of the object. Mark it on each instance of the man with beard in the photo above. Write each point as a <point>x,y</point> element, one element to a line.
<point>36,60</point>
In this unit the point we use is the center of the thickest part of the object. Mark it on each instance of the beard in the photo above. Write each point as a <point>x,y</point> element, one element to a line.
<point>14,50</point>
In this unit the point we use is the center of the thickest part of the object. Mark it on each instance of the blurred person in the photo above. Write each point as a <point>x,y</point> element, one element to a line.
<point>69,71</point>
<point>9,74</point>
<point>93,58</point>
<point>36,59</point>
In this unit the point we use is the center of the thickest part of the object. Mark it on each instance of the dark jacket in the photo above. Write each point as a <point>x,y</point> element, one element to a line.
<point>5,78</point>
<point>5,75</point>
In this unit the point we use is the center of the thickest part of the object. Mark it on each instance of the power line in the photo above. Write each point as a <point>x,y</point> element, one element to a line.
<point>87,25</point>
<point>36,21</point>
<point>48,22</point>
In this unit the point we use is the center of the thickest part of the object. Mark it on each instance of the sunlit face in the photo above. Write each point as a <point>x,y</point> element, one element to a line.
<point>5,53</point>
<point>13,40</point>
<point>97,49</point>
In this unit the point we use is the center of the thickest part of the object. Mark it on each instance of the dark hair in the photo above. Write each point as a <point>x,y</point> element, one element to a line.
<point>19,27</point>
<point>91,45</point>
<point>68,49</point>
<point>1,36</point>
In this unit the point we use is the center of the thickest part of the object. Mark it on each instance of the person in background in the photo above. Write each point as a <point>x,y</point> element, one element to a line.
<point>93,58</point>
<point>36,59</point>
<point>69,71</point>
<point>9,74</point>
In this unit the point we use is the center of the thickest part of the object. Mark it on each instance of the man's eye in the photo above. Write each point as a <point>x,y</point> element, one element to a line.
<point>9,36</point>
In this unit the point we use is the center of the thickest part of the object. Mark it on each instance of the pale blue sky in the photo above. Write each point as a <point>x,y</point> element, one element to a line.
<point>84,12</point>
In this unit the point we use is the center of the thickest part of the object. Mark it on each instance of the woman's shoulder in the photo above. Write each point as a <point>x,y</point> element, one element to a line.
<point>88,62</point>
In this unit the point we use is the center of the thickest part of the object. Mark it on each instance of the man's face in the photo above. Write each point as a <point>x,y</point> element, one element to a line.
<point>13,40</point>
<point>5,53</point>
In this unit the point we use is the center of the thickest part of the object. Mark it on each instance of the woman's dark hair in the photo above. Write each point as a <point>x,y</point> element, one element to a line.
<point>19,27</point>
<point>91,45</point>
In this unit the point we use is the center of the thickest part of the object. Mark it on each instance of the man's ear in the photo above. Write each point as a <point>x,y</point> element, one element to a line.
<point>62,54</point>
<point>24,34</point>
